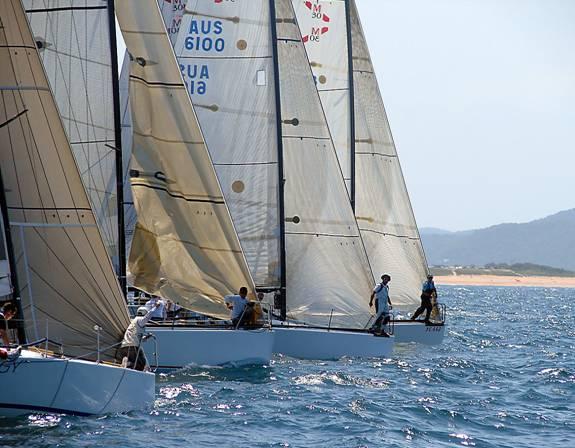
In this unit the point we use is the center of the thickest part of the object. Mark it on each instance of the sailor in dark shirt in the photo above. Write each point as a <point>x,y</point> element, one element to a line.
<point>427,290</point>
<point>7,313</point>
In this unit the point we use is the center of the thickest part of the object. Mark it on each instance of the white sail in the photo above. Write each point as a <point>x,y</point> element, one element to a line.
<point>328,274</point>
<point>323,27</point>
<point>74,44</point>
<point>130,217</point>
<point>67,283</point>
<point>185,247</point>
<point>225,55</point>
<point>383,208</point>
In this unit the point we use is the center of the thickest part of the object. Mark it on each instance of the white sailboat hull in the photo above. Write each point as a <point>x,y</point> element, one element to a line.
<point>179,347</point>
<point>33,383</point>
<point>323,344</point>
<point>408,331</point>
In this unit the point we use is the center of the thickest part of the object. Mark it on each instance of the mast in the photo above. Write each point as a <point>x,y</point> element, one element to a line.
<point>283,281</point>
<point>118,148</point>
<point>351,103</point>
<point>12,261</point>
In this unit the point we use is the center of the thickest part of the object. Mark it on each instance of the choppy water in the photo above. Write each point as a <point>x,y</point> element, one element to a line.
<point>504,377</point>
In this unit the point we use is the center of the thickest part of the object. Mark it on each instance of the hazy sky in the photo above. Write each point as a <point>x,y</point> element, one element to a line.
<point>481,99</point>
<point>480,95</point>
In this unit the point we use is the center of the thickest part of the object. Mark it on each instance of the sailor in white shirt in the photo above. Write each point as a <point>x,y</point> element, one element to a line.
<point>237,304</point>
<point>158,308</point>
<point>382,305</point>
<point>130,347</point>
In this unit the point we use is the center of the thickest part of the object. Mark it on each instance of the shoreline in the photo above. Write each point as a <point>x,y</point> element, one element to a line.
<point>501,280</point>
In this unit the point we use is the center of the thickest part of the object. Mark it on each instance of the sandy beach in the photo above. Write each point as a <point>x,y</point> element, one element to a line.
<point>497,280</point>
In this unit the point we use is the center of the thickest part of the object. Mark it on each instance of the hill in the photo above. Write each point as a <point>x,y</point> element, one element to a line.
<point>548,241</point>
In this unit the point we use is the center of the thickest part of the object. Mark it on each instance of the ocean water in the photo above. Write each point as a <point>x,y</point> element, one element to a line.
<point>504,377</point>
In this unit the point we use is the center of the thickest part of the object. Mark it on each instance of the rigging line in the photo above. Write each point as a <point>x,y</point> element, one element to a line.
<point>414,238</point>
<point>288,39</point>
<point>15,117</point>
<point>91,142</point>
<point>19,46</point>
<point>48,49</point>
<point>178,196</point>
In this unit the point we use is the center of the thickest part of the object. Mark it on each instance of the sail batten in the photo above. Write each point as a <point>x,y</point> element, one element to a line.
<point>67,283</point>
<point>184,246</point>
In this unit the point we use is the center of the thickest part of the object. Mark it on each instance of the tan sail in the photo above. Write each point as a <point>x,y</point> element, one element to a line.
<point>74,45</point>
<point>185,247</point>
<point>66,279</point>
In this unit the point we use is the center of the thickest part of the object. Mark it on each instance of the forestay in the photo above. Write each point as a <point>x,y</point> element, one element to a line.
<point>185,247</point>
<point>66,280</point>
<point>324,33</point>
<point>5,286</point>
<point>327,269</point>
<point>383,209</point>
<point>130,217</point>
<point>74,44</point>
<point>225,55</point>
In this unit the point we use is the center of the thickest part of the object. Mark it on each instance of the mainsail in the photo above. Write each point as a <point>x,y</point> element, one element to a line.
<point>224,50</point>
<point>381,200</point>
<point>66,280</point>
<point>328,275</point>
<point>74,43</point>
<point>185,247</point>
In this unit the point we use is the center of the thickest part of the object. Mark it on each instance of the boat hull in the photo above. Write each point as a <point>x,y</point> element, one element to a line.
<point>33,383</point>
<point>323,344</point>
<point>179,347</point>
<point>408,331</point>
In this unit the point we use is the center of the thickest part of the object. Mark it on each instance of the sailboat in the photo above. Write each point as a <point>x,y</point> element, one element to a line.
<point>247,74</point>
<point>185,247</point>
<point>346,81</point>
<point>61,276</point>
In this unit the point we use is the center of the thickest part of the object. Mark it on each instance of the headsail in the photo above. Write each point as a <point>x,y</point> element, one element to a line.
<point>383,208</point>
<point>327,267</point>
<point>185,247</point>
<point>66,280</point>
<point>225,55</point>
<point>323,27</point>
<point>74,44</point>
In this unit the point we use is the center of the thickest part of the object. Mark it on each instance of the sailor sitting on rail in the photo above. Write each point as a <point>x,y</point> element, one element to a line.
<point>238,304</point>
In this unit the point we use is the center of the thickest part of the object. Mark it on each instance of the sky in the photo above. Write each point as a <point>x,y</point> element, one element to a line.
<point>480,95</point>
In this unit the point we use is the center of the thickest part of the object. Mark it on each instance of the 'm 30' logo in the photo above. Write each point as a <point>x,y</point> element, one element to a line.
<point>319,15</point>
